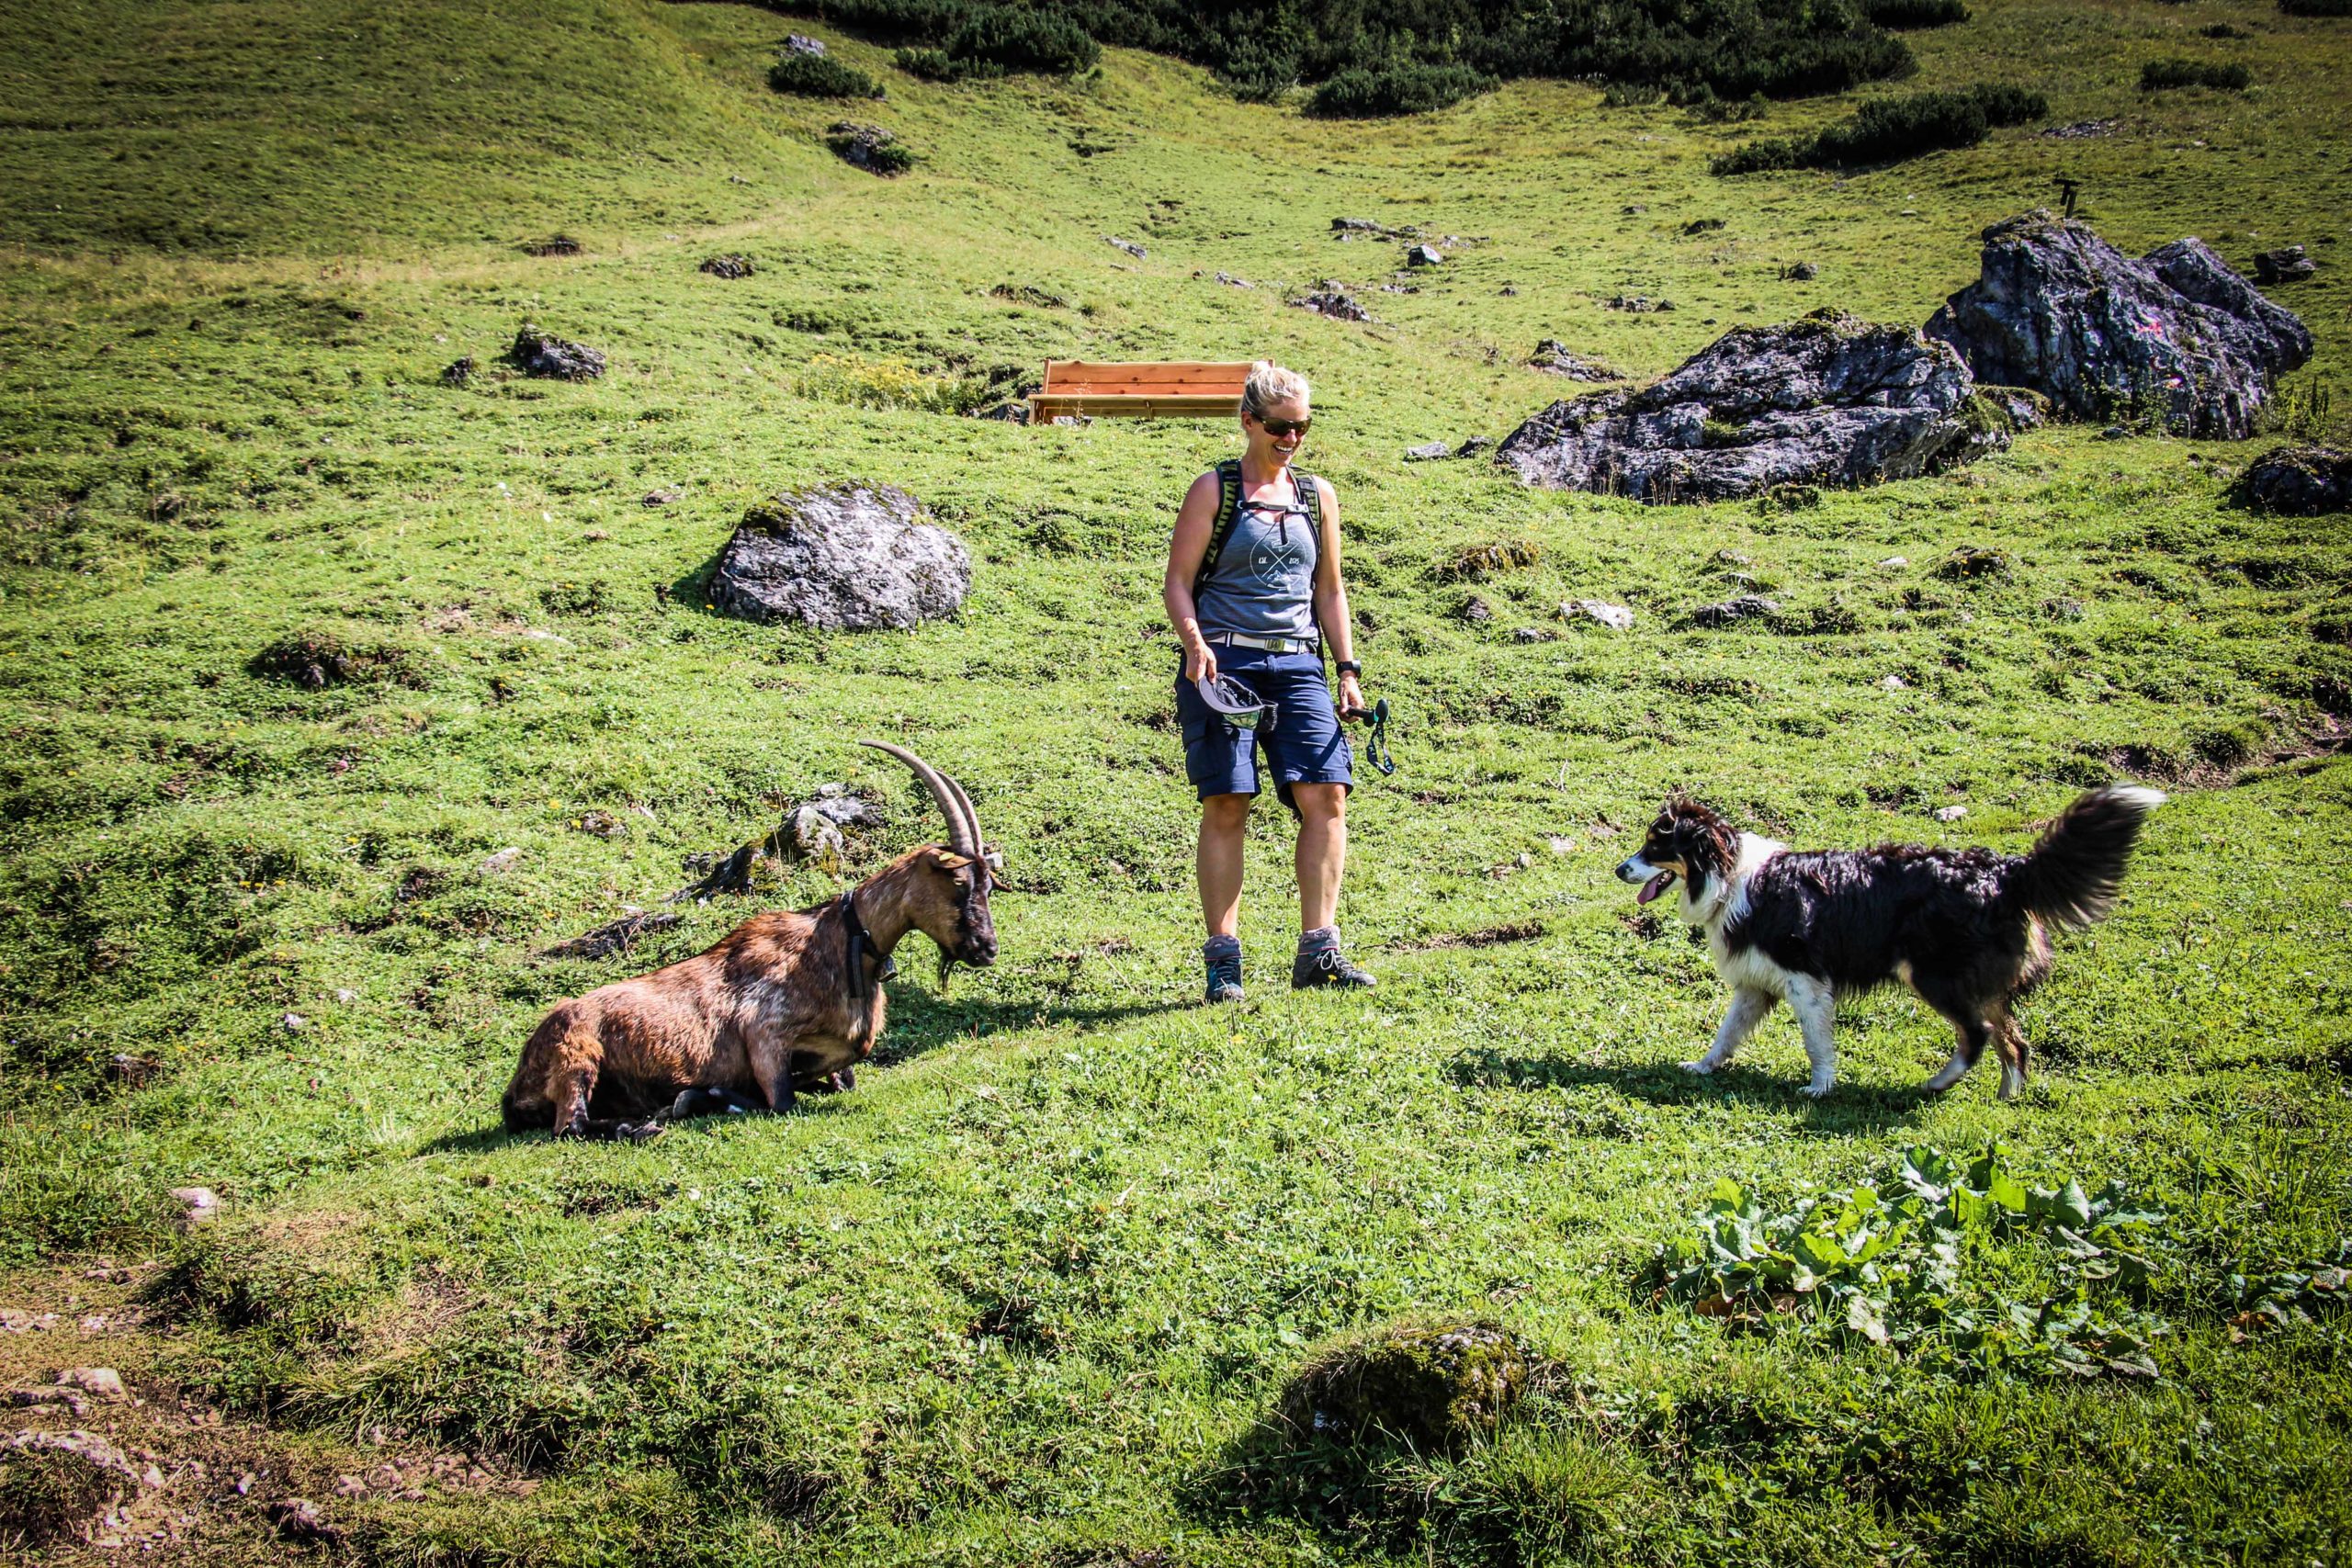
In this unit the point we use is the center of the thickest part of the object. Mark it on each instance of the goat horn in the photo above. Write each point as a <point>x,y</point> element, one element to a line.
<point>958,834</point>
<point>972,818</point>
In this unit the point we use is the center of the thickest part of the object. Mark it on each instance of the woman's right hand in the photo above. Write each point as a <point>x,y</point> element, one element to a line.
<point>1200,662</point>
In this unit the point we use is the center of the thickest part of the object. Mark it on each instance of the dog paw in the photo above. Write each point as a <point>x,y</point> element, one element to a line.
<point>1702,1068</point>
<point>1816,1090</point>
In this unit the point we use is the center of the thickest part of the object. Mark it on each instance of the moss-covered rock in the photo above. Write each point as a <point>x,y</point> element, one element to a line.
<point>2298,480</point>
<point>1430,1382</point>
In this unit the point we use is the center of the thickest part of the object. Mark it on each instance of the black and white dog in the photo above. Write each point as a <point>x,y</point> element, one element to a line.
<point>1968,930</point>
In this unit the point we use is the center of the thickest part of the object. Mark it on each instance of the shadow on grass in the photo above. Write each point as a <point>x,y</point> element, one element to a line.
<point>1269,1475</point>
<point>1851,1106</point>
<point>920,1022</point>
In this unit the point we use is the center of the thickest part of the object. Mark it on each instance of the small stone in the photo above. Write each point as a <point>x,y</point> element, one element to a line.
<point>199,1205</point>
<point>544,355</point>
<point>728,266</point>
<point>800,44</point>
<point>1561,846</point>
<point>295,1022</point>
<point>1747,608</point>
<point>1428,452</point>
<point>1232,282</point>
<point>1424,255</point>
<point>2286,264</point>
<point>1532,634</point>
<point>459,372</point>
<point>1128,245</point>
<point>344,996</point>
<point>2114,433</point>
<point>1474,611</point>
<point>1895,561</point>
<point>1616,617</point>
<point>101,1384</point>
<point>1800,272</point>
<point>297,1518</point>
<point>1894,683</point>
<point>1475,445</point>
<point>663,496</point>
<point>1950,813</point>
<point>502,862</point>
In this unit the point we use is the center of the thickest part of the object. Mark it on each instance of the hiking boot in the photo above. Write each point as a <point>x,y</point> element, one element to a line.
<point>1225,979</point>
<point>1327,966</point>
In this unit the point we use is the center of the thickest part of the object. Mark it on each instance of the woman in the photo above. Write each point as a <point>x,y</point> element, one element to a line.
<point>1253,588</point>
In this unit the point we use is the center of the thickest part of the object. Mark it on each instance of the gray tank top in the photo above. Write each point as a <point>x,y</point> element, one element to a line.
<point>1263,583</point>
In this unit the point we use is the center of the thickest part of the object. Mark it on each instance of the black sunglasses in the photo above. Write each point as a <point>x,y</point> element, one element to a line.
<point>1284,426</point>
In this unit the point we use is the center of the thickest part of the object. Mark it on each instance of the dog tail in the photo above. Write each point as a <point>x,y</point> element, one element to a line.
<point>2072,877</point>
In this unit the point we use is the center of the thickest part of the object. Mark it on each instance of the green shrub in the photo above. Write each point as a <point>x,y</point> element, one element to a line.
<point>2158,75</point>
<point>930,65</point>
<point>1914,13</point>
<point>1397,55</point>
<point>821,76</point>
<point>1892,129</point>
<point>1397,89</point>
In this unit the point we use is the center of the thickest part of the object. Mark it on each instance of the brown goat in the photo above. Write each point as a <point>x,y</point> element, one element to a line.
<point>781,997</point>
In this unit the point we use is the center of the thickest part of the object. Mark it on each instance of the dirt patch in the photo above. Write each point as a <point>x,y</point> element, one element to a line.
<point>1491,936</point>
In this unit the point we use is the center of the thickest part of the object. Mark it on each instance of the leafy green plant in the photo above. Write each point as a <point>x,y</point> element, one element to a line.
<point>2309,1293</point>
<point>1918,1271</point>
<point>1408,89</point>
<point>820,76</point>
<point>1892,129</point>
<point>2158,75</point>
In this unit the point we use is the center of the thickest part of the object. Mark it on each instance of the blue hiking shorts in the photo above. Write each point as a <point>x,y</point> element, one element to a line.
<point>1302,741</point>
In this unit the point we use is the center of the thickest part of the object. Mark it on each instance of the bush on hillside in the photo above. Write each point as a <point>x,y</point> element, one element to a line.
<point>2316,7</point>
<point>930,65</point>
<point>821,76</point>
<point>1892,129</point>
<point>1901,14</point>
<point>1399,89</point>
<point>1413,51</point>
<point>2158,75</point>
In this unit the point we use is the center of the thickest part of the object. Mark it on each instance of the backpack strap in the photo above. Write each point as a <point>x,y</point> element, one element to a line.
<point>1310,499</point>
<point>1228,513</point>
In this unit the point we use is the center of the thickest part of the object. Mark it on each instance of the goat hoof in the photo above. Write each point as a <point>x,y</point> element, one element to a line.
<point>637,1131</point>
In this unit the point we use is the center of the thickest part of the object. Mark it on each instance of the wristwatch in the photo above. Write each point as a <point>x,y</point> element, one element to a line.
<point>1348,667</point>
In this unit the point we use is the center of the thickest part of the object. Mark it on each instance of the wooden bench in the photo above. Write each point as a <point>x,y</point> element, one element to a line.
<point>1177,390</point>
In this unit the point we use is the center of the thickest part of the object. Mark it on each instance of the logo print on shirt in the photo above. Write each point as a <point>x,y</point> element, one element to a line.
<point>1278,562</point>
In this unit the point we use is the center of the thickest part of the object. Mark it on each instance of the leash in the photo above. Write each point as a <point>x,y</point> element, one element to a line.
<point>1375,745</point>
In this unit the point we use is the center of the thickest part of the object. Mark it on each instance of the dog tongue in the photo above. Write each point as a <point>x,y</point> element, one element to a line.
<point>1654,887</point>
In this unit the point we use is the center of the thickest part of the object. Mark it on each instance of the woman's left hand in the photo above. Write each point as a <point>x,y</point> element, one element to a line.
<point>1352,695</point>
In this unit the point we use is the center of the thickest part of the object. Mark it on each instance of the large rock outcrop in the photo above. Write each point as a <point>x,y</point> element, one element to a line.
<point>1828,400</point>
<point>2175,335</point>
<point>844,557</point>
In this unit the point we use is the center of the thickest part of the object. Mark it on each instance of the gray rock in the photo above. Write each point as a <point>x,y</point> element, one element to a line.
<point>800,44</point>
<point>1363,226</point>
<point>1428,452</point>
<point>1640,304</point>
<point>1828,400</point>
<point>1800,272</point>
<point>1553,357</point>
<point>1232,282</point>
<point>1616,617</point>
<point>1424,255</point>
<point>1747,608</point>
<point>2058,310</point>
<point>1532,633</point>
<point>502,862</point>
<point>1475,611</point>
<point>1950,813</point>
<point>662,496</point>
<point>2301,480</point>
<point>2024,408</point>
<point>198,1205</point>
<point>459,372</point>
<point>844,557</point>
<point>1335,303</point>
<point>2081,130</point>
<point>536,353</point>
<point>2286,264</point>
<point>1128,245</point>
<point>1475,445</point>
<point>728,266</point>
<point>867,147</point>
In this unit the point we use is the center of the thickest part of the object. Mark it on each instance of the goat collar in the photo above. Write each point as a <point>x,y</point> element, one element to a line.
<point>859,945</point>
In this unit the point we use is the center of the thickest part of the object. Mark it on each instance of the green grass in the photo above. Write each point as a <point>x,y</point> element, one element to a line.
<point>1027,1293</point>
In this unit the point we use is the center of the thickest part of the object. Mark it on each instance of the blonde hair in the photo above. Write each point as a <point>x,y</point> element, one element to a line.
<point>1270,384</point>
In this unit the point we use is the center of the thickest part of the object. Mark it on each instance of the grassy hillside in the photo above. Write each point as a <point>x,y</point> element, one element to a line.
<point>1024,1296</point>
